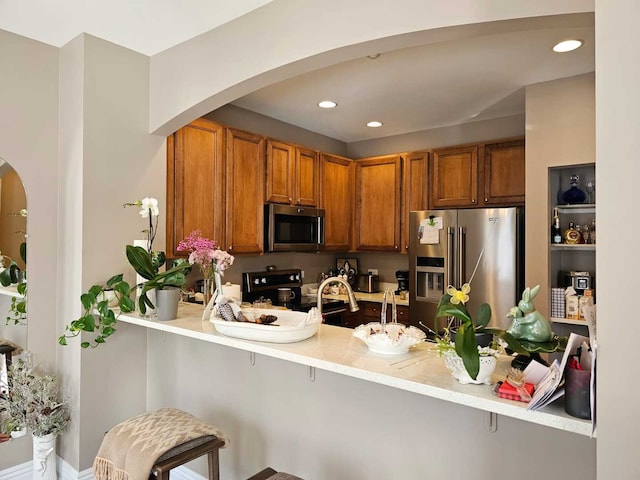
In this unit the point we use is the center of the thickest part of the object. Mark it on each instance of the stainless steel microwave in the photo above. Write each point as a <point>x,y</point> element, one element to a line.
<point>293,229</point>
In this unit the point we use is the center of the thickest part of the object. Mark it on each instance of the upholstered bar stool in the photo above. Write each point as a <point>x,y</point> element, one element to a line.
<point>150,445</point>
<point>206,445</point>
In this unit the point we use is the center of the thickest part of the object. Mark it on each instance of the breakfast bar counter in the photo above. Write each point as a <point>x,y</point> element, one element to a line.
<point>334,349</point>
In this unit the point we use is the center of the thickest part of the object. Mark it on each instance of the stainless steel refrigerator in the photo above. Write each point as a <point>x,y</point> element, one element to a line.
<point>447,246</point>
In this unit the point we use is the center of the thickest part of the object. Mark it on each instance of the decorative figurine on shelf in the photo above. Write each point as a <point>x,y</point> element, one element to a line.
<point>574,194</point>
<point>527,323</point>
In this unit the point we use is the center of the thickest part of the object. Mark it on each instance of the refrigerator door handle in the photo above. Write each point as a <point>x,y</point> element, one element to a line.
<point>448,280</point>
<point>461,256</point>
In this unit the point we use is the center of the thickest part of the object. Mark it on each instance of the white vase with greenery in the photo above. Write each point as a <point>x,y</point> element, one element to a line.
<point>34,401</point>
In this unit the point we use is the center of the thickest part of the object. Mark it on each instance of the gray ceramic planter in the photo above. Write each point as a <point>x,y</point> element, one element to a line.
<point>167,303</point>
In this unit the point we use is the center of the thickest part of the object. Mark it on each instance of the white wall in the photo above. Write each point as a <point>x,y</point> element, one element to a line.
<point>28,141</point>
<point>560,122</point>
<point>278,41</point>
<point>470,132</point>
<point>617,147</point>
<point>341,428</point>
<point>121,163</point>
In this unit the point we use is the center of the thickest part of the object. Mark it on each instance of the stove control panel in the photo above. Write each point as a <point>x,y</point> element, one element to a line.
<point>274,279</point>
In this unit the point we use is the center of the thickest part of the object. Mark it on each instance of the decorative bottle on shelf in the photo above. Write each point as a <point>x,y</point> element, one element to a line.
<point>556,233</point>
<point>571,235</point>
<point>574,194</point>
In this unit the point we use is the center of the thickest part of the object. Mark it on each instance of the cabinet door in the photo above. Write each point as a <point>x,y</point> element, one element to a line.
<point>414,190</point>
<point>403,314</point>
<point>195,183</point>
<point>336,190</point>
<point>280,172</point>
<point>377,216</point>
<point>453,177</point>
<point>370,311</point>
<point>504,166</point>
<point>352,319</point>
<point>245,192</point>
<point>306,177</point>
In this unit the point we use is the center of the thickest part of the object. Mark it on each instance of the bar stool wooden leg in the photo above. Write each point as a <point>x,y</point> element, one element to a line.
<point>214,472</point>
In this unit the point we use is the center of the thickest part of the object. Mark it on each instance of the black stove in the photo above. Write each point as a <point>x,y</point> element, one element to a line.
<point>265,284</point>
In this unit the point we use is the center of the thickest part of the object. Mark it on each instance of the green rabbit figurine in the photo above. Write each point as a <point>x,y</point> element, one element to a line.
<point>527,323</point>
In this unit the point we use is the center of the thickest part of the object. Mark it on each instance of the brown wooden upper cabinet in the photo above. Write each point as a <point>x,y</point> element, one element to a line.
<point>244,192</point>
<point>414,190</point>
<point>478,175</point>
<point>195,183</point>
<point>336,193</point>
<point>454,177</point>
<point>292,174</point>
<point>377,205</point>
<point>504,167</point>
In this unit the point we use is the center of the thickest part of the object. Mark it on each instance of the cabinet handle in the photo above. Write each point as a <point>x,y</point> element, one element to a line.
<point>406,247</point>
<point>298,201</point>
<point>230,247</point>
<point>395,247</point>
<point>290,199</point>
<point>473,200</point>
<point>486,200</point>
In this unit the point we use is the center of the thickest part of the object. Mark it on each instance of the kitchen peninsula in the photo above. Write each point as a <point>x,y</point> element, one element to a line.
<point>334,349</point>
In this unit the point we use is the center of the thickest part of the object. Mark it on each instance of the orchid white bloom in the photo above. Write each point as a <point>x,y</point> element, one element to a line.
<point>149,205</point>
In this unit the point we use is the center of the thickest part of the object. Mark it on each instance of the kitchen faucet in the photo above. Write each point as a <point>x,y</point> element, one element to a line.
<point>353,303</point>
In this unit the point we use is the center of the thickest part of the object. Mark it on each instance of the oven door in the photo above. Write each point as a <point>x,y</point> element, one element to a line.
<point>335,316</point>
<point>293,229</point>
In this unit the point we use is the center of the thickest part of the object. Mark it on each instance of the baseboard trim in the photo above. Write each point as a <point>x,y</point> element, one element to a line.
<point>24,471</point>
<point>67,472</point>
<point>19,472</point>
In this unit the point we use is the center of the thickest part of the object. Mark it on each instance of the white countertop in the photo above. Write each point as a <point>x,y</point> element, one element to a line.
<point>10,291</point>
<point>334,349</point>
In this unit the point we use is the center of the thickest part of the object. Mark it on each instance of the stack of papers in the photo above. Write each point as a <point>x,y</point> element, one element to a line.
<point>549,383</point>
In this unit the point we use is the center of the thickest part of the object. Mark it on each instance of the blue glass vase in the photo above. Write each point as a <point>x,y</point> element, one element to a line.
<point>574,194</point>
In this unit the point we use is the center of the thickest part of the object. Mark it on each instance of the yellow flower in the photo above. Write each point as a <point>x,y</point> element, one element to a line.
<point>459,296</point>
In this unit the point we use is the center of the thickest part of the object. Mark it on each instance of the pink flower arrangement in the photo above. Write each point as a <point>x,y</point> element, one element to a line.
<point>206,254</point>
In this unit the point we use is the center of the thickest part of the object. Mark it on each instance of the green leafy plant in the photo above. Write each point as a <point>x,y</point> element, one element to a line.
<point>99,316</point>
<point>13,275</point>
<point>452,305</point>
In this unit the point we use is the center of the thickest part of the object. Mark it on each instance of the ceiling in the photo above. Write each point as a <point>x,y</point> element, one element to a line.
<point>146,26</point>
<point>409,90</point>
<point>427,86</point>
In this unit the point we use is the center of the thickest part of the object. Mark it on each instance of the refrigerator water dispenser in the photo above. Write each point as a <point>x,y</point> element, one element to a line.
<point>430,278</point>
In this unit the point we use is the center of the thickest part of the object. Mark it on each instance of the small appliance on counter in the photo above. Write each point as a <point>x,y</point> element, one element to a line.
<point>367,282</point>
<point>402,276</point>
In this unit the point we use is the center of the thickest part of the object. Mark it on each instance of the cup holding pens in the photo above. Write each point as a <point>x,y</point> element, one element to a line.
<point>577,401</point>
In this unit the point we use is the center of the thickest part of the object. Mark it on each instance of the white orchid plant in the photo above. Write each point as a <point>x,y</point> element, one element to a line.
<point>148,209</point>
<point>98,317</point>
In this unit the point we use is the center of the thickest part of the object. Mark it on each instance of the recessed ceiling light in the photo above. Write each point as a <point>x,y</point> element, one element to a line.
<point>567,46</point>
<point>327,104</point>
<point>374,124</point>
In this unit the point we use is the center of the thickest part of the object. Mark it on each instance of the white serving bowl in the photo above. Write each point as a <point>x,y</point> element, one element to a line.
<point>396,338</point>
